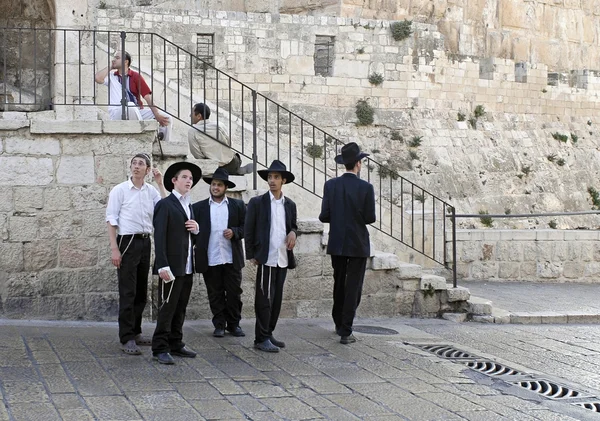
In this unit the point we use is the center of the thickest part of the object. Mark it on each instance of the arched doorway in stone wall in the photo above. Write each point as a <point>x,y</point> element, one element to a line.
<point>26,54</point>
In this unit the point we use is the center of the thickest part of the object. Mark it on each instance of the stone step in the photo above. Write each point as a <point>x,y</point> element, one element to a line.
<point>479,306</point>
<point>433,282</point>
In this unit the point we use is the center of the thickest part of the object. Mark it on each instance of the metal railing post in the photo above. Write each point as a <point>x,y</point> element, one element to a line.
<point>123,79</point>
<point>254,139</point>
<point>453,219</point>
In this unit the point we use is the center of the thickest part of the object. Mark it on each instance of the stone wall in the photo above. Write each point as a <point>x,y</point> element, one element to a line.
<point>529,255</point>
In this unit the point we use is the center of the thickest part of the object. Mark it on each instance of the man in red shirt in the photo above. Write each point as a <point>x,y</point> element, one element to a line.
<point>136,89</point>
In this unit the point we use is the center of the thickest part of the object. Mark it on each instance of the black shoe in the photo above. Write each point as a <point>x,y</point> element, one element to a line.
<point>350,339</point>
<point>164,358</point>
<point>236,331</point>
<point>219,332</point>
<point>277,343</point>
<point>266,346</point>
<point>184,352</point>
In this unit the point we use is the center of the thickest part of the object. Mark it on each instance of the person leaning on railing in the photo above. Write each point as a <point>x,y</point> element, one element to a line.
<point>136,89</point>
<point>206,147</point>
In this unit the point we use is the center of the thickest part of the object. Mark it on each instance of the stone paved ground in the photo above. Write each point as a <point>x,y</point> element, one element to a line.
<point>75,371</point>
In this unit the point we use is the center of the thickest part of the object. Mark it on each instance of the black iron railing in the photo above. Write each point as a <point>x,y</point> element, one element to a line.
<point>45,68</point>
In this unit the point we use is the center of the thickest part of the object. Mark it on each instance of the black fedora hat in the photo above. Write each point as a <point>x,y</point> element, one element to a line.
<point>222,175</point>
<point>350,153</point>
<point>176,167</point>
<point>277,166</point>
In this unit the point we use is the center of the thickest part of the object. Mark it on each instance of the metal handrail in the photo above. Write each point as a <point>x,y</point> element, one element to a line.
<point>526,215</point>
<point>406,212</point>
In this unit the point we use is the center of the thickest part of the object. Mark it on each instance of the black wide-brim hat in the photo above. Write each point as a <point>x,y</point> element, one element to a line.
<point>222,175</point>
<point>176,167</point>
<point>277,166</point>
<point>350,153</point>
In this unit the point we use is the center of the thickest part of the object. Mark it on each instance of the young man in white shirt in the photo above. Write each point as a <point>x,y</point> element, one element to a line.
<point>219,253</point>
<point>270,237</point>
<point>129,218</point>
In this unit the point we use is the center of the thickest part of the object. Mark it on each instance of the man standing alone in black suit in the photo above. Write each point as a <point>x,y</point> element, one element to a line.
<point>348,206</point>
<point>219,254</point>
<point>270,232</point>
<point>174,226</point>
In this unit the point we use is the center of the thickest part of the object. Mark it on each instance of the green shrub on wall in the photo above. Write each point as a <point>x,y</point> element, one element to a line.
<point>401,30</point>
<point>365,113</point>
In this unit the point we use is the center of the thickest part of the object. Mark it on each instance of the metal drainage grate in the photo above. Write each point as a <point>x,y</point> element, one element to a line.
<point>446,351</point>
<point>593,406</point>
<point>548,389</point>
<point>491,368</point>
<point>374,330</point>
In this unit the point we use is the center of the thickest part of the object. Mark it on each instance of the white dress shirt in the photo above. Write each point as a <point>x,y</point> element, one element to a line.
<point>131,209</point>
<point>219,247</point>
<point>277,247</point>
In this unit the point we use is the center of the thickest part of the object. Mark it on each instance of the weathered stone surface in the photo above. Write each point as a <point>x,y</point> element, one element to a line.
<point>102,306</point>
<point>89,197</point>
<point>10,125</point>
<point>433,282</point>
<point>384,261</point>
<point>94,224</point>
<point>57,199</point>
<point>372,283</point>
<point>124,126</point>
<point>59,226</point>
<point>308,265</point>
<point>308,243</point>
<point>509,270</point>
<point>371,305</point>
<point>7,202</point>
<point>110,169</point>
<point>20,284</point>
<point>458,293</point>
<point>75,170</point>
<point>426,305</point>
<point>480,306</point>
<point>455,317</point>
<point>549,269</point>
<point>32,146</point>
<point>40,255</point>
<point>22,228</point>
<point>71,307</point>
<point>27,199</point>
<point>309,225</point>
<point>409,271</point>
<point>64,127</point>
<point>3,226</point>
<point>77,253</point>
<point>25,171</point>
<point>306,288</point>
<point>11,257</point>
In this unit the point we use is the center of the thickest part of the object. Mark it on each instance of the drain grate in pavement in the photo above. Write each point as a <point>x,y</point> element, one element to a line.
<point>593,406</point>
<point>548,389</point>
<point>446,351</point>
<point>492,368</point>
<point>374,330</point>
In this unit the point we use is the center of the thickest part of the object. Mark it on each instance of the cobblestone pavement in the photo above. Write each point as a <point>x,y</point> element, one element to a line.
<point>75,371</point>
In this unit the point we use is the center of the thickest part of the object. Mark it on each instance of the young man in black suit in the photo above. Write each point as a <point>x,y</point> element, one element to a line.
<point>174,227</point>
<point>219,254</point>
<point>348,206</point>
<point>270,232</point>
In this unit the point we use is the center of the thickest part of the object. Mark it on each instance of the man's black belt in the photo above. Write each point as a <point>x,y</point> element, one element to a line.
<point>142,235</point>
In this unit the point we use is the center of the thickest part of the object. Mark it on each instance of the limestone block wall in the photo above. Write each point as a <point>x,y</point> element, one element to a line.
<point>529,255</point>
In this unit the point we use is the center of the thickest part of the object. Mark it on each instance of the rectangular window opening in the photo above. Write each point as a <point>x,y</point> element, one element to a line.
<point>324,54</point>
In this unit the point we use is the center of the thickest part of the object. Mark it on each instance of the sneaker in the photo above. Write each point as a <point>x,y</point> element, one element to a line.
<point>131,348</point>
<point>266,346</point>
<point>142,340</point>
<point>219,332</point>
<point>277,343</point>
<point>350,339</point>
<point>236,331</point>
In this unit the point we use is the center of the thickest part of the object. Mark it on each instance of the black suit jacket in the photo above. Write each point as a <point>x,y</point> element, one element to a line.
<point>348,205</point>
<point>171,238</point>
<point>258,228</point>
<point>237,214</point>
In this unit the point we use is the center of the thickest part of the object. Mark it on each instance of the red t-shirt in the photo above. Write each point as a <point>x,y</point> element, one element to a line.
<point>137,85</point>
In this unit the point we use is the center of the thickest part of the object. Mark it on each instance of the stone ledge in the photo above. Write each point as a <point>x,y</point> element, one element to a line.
<point>310,225</point>
<point>409,271</point>
<point>480,306</point>
<point>458,293</point>
<point>13,124</point>
<point>129,127</point>
<point>66,127</point>
<point>384,261</point>
<point>433,282</point>
<point>455,317</point>
<point>174,150</point>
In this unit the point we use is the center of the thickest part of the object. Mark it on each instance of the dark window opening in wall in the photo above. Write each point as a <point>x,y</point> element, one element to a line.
<point>324,55</point>
<point>205,49</point>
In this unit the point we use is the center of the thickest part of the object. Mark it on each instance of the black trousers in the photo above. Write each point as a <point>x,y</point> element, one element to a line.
<point>267,300</point>
<point>348,277</point>
<point>133,284</point>
<point>224,289</point>
<point>168,335</point>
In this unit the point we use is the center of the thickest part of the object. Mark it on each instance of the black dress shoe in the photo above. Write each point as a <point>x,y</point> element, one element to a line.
<point>219,332</point>
<point>236,331</point>
<point>275,342</point>
<point>164,358</point>
<point>184,352</point>
<point>350,339</point>
<point>266,346</point>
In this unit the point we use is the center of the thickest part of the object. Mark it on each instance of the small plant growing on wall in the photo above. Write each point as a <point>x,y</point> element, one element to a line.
<point>560,137</point>
<point>416,141</point>
<point>551,157</point>
<point>412,155</point>
<point>561,162</point>
<point>389,170</point>
<point>574,138</point>
<point>376,79</point>
<point>419,197</point>
<point>401,30</point>
<point>314,151</point>
<point>526,169</point>
<point>102,5</point>
<point>365,113</point>
<point>595,196</point>
<point>461,116</point>
<point>472,122</point>
<point>552,224</point>
<point>479,111</point>
<point>395,135</point>
<point>360,50</point>
<point>487,221</point>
